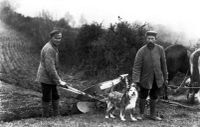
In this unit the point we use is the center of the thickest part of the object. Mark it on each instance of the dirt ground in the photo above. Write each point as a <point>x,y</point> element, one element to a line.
<point>174,117</point>
<point>17,102</point>
<point>23,107</point>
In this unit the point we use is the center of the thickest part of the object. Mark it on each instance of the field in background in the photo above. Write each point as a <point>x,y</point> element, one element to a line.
<point>19,65</point>
<point>19,61</point>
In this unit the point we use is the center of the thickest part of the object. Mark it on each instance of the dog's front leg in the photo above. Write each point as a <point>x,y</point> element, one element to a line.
<point>132,115</point>
<point>111,113</point>
<point>122,114</point>
<point>109,107</point>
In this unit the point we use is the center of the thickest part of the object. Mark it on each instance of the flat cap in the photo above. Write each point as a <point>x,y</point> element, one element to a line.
<point>151,33</point>
<point>53,32</point>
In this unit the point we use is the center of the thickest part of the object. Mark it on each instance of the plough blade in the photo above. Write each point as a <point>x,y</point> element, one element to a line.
<point>85,106</point>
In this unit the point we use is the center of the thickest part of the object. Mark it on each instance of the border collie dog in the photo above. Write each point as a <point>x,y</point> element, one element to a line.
<point>124,102</point>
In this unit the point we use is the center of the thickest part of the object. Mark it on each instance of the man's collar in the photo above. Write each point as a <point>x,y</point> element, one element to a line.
<point>53,45</point>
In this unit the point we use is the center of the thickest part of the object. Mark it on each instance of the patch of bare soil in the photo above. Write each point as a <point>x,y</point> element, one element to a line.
<point>172,117</point>
<point>17,103</point>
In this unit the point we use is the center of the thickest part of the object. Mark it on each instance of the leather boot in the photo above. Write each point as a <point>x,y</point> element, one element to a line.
<point>55,105</point>
<point>142,104</point>
<point>45,109</point>
<point>153,115</point>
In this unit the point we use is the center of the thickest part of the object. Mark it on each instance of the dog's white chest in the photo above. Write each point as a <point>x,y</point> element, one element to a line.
<point>132,103</point>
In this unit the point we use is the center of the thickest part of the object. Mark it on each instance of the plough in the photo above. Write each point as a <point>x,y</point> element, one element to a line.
<point>76,91</point>
<point>95,93</point>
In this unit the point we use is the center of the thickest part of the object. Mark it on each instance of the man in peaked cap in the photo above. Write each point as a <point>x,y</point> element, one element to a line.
<point>150,73</point>
<point>48,75</point>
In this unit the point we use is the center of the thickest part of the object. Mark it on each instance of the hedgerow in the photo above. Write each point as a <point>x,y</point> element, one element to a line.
<point>91,47</point>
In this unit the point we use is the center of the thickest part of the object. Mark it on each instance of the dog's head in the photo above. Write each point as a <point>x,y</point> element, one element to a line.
<point>122,84</point>
<point>132,91</point>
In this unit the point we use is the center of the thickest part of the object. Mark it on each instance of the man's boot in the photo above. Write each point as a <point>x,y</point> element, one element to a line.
<point>45,109</point>
<point>55,105</point>
<point>142,104</point>
<point>153,115</point>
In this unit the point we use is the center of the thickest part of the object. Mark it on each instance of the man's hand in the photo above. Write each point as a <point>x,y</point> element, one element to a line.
<point>133,84</point>
<point>62,83</point>
<point>136,85</point>
<point>166,82</point>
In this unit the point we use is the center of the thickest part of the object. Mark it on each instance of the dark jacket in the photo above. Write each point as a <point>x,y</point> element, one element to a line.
<point>47,71</point>
<point>149,62</point>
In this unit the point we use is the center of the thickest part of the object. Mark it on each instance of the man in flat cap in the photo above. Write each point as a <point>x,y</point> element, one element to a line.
<point>150,73</point>
<point>48,75</point>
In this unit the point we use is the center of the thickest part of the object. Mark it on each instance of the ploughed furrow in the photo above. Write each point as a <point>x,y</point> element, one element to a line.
<point>18,62</point>
<point>7,60</point>
<point>4,62</point>
<point>2,70</point>
<point>27,60</point>
<point>12,54</point>
<point>15,55</point>
<point>24,49</point>
<point>12,75</point>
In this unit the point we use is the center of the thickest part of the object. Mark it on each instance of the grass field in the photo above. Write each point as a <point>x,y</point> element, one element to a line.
<point>173,117</point>
<point>20,103</point>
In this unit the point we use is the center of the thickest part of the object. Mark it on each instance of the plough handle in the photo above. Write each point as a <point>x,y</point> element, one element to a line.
<point>69,88</point>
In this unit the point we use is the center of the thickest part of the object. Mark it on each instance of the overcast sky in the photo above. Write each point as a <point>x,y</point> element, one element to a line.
<point>181,15</point>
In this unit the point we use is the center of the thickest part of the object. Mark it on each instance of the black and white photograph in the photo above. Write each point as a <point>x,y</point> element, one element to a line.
<point>99,63</point>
